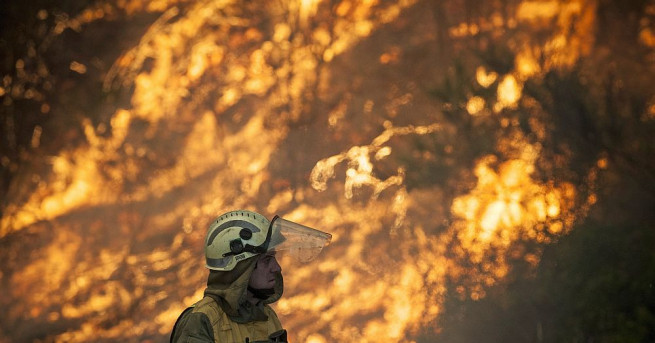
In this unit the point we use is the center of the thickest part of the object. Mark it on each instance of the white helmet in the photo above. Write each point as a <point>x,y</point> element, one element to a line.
<point>239,235</point>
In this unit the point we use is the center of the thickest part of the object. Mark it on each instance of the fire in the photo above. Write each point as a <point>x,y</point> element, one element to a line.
<point>475,105</point>
<point>506,205</point>
<point>509,93</point>
<point>228,111</point>
<point>484,78</point>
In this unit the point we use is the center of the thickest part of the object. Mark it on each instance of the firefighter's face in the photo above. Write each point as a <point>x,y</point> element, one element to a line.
<point>263,277</point>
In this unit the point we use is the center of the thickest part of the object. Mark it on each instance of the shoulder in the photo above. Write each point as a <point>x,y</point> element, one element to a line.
<point>197,323</point>
<point>209,308</point>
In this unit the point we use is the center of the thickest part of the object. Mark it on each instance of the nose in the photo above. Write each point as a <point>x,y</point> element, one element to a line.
<point>275,266</point>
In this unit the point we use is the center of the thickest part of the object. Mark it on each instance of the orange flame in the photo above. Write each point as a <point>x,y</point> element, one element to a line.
<point>217,103</point>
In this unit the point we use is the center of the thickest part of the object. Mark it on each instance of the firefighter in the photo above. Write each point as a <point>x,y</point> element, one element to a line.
<point>244,278</point>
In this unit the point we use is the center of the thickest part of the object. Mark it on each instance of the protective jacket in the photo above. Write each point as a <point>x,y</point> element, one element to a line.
<point>224,315</point>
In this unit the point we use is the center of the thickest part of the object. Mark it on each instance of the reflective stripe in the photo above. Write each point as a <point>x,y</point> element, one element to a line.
<point>231,223</point>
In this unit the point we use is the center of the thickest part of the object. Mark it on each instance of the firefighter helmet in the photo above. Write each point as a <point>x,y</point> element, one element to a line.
<point>239,235</point>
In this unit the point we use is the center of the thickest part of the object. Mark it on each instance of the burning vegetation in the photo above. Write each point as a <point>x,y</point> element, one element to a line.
<point>455,150</point>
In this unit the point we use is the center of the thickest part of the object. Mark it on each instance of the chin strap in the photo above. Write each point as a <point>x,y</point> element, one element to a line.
<point>261,294</point>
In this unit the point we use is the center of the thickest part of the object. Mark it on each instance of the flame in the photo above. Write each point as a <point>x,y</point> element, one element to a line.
<point>218,119</point>
<point>526,64</point>
<point>307,10</point>
<point>508,204</point>
<point>475,105</point>
<point>509,93</point>
<point>541,11</point>
<point>484,78</point>
<point>574,21</point>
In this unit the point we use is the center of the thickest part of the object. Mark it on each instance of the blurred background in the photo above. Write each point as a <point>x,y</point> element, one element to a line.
<point>486,168</point>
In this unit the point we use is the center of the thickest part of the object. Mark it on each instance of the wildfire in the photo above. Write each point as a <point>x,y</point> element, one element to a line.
<point>215,122</point>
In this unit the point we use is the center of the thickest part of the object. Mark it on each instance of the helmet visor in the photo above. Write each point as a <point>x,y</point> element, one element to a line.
<point>299,241</point>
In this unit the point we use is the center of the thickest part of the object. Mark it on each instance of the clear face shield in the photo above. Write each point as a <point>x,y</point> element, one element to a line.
<point>301,242</point>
